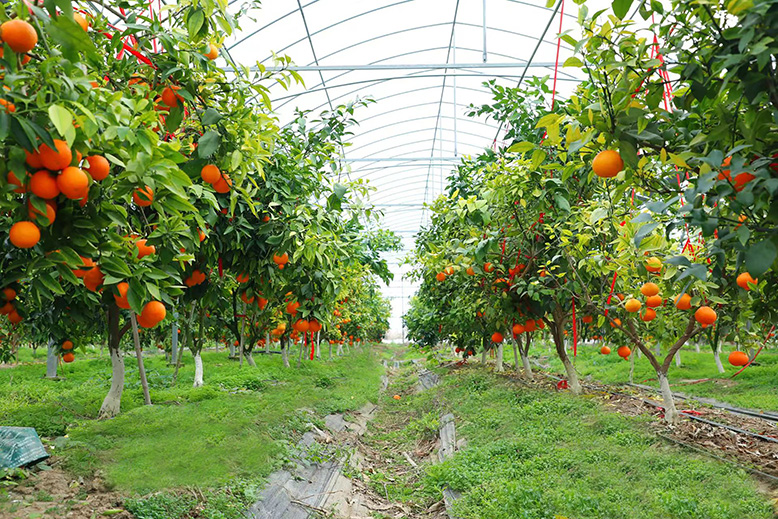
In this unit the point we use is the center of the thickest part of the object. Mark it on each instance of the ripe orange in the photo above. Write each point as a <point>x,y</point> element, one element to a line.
<point>624,352</point>
<point>440,276</point>
<point>9,294</point>
<point>144,250</point>
<point>121,299</point>
<point>620,296</point>
<point>291,308</point>
<point>261,303</point>
<point>51,211</point>
<point>143,196</point>
<point>9,106</point>
<point>6,309</point>
<point>648,315</point>
<point>497,337</point>
<point>649,289</point>
<point>86,263</point>
<point>33,159</point>
<point>153,313</point>
<point>616,322</point>
<point>242,278</point>
<point>529,326</point>
<point>99,168</point>
<point>607,164</point>
<point>14,317</point>
<point>44,185</point>
<point>653,264</point>
<point>55,159</point>
<point>19,35</point>
<point>744,281</point>
<point>587,319</point>
<point>80,20</point>
<point>93,279</point>
<point>315,326</point>
<point>683,302</point>
<point>654,301</point>
<point>14,180</point>
<point>24,235</point>
<point>517,329</point>
<point>213,52</point>
<point>449,270</point>
<point>738,358</point>
<point>740,180</point>
<point>488,267</point>
<point>396,397</point>
<point>605,350</point>
<point>169,96</point>
<point>705,315</point>
<point>67,345</point>
<point>73,183</point>
<point>223,184</point>
<point>68,357</point>
<point>280,259</point>
<point>633,305</point>
<point>301,325</point>
<point>210,173</point>
<point>246,299</point>
<point>201,235</point>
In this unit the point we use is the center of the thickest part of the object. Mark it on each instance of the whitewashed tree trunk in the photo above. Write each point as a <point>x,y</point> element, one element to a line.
<point>515,355</point>
<point>232,349</point>
<point>318,344</point>
<point>250,359</point>
<point>174,344</point>
<point>527,366</point>
<point>112,402</point>
<point>697,347</point>
<point>285,351</point>
<point>51,360</point>
<point>198,376</point>
<point>572,376</point>
<point>678,358</point>
<point>671,413</point>
<point>499,367</point>
<point>717,358</point>
<point>267,343</point>
<point>483,357</point>
<point>632,367</point>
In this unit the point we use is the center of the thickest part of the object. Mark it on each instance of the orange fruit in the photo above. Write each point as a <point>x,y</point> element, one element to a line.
<point>121,299</point>
<point>653,264</point>
<point>705,315</point>
<point>587,319</point>
<point>744,281</point>
<point>261,303</point>
<point>488,267</point>
<point>67,345</point>
<point>470,271</point>
<point>314,325</point>
<point>497,337</point>
<point>213,52</point>
<point>654,301</point>
<point>143,196</point>
<point>43,184</point>
<point>99,167</point>
<point>440,276</point>
<point>153,313</point>
<point>24,235</point>
<point>14,317</point>
<point>633,305</point>
<point>529,326</point>
<point>683,302</point>
<point>9,106</point>
<point>648,315</point>
<point>19,35</point>
<point>169,96</point>
<point>33,159</point>
<point>93,279</point>
<point>301,325</point>
<point>605,350</point>
<point>68,357</point>
<point>607,164</point>
<point>449,270</point>
<point>517,329</point>
<point>616,322</point>
<point>201,235</point>
<point>144,250</point>
<point>624,352</point>
<point>85,262</point>
<point>223,184</point>
<point>738,358</point>
<point>73,183</point>
<point>55,159</point>
<point>210,173</point>
<point>9,294</point>
<point>246,299</point>
<point>6,308</point>
<point>620,296</point>
<point>14,180</point>
<point>396,397</point>
<point>649,289</point>
<point>51,211</point>
<point>280,259</point>
<point>80,20</point>
<point>242,278</point>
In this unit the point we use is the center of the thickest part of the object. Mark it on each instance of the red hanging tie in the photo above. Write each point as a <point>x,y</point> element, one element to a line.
<point>613,285</point>
<point>575,332</point>
<point>221,268</point>
<point>313,345</point>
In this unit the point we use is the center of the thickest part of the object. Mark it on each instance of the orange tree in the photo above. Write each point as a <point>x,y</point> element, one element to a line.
<point>93,191</point>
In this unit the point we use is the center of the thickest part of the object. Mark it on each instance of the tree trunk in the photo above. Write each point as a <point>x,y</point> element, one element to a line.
<point>139,355</point>
<point>678,358</point>
<point>302,352</point>
<point>51,360</point>
<point>499,354</point>
<point>285,351</point>
<point>198,374</point>
<point>557,328</point>
<point>242,336</point>
<point>696,347</point>
<point>318,344</point>
<point>250,359</point>
<point>671,413</point>
<point>632,367</point>
<point>340,349</point>
<point>515,355</point>
<point>232,349</point>
<point>330,349</point>
<point>483,357</point>
<point>572,376</point>
<point>526,364</point>
<point>717,358</point>
<point>113,400</point>
<point>174,344</point>
<point>267,343</point>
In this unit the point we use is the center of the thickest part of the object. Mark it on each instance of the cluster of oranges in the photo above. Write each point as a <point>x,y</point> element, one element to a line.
<point>195,278</point>
<point>211,174</point>
<point>441,276</point>
<point>68,356</point>
<point>7,306</point>
<point>281,260</point>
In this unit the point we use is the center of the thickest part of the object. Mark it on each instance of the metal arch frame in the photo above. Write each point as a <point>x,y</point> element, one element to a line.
<point>471,121</point>
<point>352,150</point>
<point>254,33</point>
<point>408,107</point>
<point>419,141</point>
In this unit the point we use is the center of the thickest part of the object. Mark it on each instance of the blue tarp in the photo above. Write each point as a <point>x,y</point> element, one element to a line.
<point>19,447</point>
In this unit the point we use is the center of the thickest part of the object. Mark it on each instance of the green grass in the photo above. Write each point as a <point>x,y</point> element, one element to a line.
<point>754,388</point>
<point>534,454</point>
<point>237,427</point>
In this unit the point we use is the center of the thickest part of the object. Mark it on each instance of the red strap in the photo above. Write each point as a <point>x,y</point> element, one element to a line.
<point>221,268</point>
<point>613,285</point>
<point>313,346</point>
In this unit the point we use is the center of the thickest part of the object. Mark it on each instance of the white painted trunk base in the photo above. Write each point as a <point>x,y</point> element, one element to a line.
<point>198,376</point>
<point>113,400</point>
<point>51,361</point>
<point>671,413</point>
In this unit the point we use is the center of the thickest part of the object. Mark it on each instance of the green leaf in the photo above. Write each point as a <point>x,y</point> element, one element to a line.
<point>697,270</point>
<point>339,190</point>
<point>643,232</point>
<point>538,156</point>
<point>629,153</point>
<point>572,61</point>
<point>61,118</point>
<point>621,8</point>
<point>759,257</point>
<point>521,147</point>
<point>211,116</point>
<point>208,144</point>
<point>194,22</point>
<point>71,38</point>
